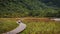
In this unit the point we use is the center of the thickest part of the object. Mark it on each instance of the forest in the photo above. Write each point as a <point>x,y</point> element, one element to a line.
<point>29,8</point>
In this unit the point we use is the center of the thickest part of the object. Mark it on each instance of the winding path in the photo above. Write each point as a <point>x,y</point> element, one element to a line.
<point>20,28</point>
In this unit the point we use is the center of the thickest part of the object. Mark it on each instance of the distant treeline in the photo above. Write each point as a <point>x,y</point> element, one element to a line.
<point>29,8</point>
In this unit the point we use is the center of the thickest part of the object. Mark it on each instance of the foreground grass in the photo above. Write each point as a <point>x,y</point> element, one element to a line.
<point>42,28</point>
<point>7,25</point>
<point>32,27</point>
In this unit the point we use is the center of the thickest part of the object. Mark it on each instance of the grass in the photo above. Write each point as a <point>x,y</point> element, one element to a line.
<point>42,28</point>
<point>32,27</point>
<point>7,25</point>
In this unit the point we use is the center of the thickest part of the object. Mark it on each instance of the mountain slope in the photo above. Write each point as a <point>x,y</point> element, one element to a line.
<point>26,8</point>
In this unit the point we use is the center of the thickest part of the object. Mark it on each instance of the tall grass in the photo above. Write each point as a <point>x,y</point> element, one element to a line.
<point>33,27</point>
<point>42,28</point>
<point>7,25</point>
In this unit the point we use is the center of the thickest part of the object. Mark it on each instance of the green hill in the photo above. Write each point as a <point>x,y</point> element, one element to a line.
<point>29,8</point>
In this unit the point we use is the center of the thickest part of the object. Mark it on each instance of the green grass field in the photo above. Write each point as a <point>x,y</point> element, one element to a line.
<point>7,25</point>
<point>32,27</point>
<point>42,28</point>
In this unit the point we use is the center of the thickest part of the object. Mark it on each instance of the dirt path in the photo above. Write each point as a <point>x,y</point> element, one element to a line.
<point>20,28</point>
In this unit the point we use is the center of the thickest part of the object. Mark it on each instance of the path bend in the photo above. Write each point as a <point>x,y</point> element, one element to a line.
<point>20,28</point>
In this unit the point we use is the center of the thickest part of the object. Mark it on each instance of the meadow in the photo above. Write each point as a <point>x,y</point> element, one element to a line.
<point>33,26</point>
<point>7,24</point>
<point>42,28</point>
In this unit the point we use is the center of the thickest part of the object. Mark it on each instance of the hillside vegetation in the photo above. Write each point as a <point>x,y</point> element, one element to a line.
<point>29,8</point>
